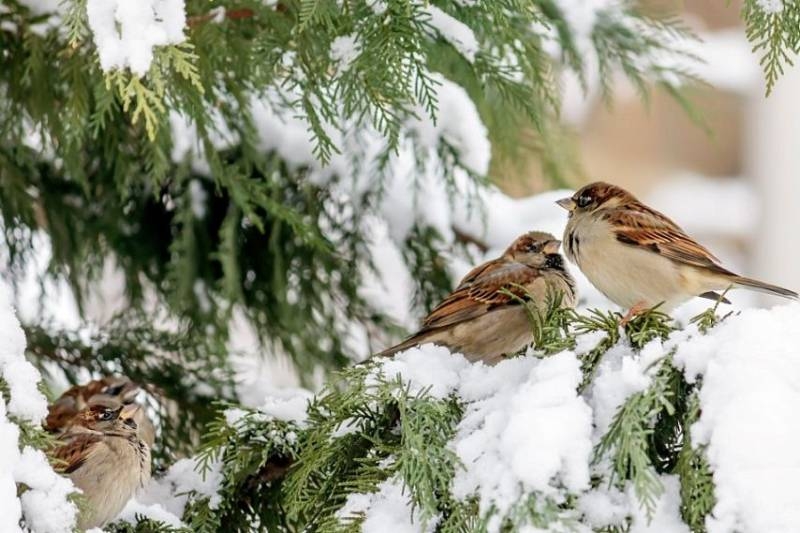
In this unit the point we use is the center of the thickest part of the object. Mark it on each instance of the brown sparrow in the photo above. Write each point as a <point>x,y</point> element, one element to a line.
<point>104,456</point>
<point>62,412</point>
<point>638,257</point>
<point>483,318</point>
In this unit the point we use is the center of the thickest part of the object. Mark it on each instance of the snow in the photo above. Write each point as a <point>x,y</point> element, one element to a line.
<point>771,7</point>
<point>667,517</point>
<point>748,400</point>
<point>525,427</point>
<point>454,31</point>
<point>387,509</point>
<point>44,506</point>
<point>344,49</point>
<point>165,498</point>
<point>125,33</point>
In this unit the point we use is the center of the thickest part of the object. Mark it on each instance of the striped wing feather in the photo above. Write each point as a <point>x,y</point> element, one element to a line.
<point>481,291</point>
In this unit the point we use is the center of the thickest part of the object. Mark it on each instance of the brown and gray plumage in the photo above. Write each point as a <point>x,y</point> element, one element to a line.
<point>480,319</point>
<point>104,456</point>
<point>638,257</point>
<point>63,411</point>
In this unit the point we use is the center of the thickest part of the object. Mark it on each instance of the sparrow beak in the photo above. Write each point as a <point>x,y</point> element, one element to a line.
<point>128,415</point>
<point>551,247</point>
<point>567,203</point>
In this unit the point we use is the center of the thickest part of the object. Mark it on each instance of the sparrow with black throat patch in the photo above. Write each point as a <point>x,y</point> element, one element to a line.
<point>484,317</point>
<point>639,258</point>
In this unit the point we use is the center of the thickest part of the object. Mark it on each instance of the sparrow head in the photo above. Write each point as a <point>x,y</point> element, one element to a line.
<point>76,399</point>
<point>533,248</point>
<point>597,195</point>
<point>108,415</point>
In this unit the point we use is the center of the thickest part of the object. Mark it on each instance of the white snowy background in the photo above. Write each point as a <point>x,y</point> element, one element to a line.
<point>525,427</point>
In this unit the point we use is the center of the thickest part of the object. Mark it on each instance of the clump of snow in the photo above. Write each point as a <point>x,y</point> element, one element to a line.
<point>525,429</point>
<point>22,377</point>
<point>9,456</point>
<point>153,511</point>
<point>387,509</point>
<point>454,31</point>
<point>288,404</point>
<point>44,506</point>
<point>771,7</point>
<point>344,49</point>
<point>604,506</point>
<point>165,498</point>
<point>666,517</point>
<point>427,368</point>
<point>457,123</point>
<point>125,33</point>
<point>750,392</point>
<point>620,374</point>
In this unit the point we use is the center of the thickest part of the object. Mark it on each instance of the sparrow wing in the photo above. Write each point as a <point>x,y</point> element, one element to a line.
<point>646,228</point>
<point>74,452</point>
<point>482,292</point>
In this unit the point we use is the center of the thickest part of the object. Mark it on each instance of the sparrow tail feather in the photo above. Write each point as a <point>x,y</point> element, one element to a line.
<point>767,288</point>
<point>416,340</point>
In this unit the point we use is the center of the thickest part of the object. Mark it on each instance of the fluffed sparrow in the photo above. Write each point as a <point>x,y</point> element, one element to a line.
<point>62,412</point>
<point>480,319</point>
<point>638,257</point>
<point>105,457</point>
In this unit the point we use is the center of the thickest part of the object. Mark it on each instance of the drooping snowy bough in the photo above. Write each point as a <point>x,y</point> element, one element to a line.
<point>661,427</point>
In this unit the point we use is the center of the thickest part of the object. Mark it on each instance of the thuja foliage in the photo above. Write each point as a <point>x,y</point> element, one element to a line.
<point>367,428</point>
<point>94,162</point>
<point>775,35</point>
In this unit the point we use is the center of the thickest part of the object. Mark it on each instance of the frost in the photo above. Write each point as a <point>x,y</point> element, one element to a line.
<point>125,33</point>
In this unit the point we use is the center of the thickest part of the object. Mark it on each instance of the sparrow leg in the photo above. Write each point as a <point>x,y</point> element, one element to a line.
<point>632,312</point>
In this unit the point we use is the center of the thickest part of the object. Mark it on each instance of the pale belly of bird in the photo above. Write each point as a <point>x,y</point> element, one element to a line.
<point>625,275</point>
<point>109,487</point>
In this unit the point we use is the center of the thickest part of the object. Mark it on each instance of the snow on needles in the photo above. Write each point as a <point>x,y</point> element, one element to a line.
<point>525,427</point>
<point>749,402</point>
<point>454,31</point>
<point>125,32</point>
<point>44,505</point>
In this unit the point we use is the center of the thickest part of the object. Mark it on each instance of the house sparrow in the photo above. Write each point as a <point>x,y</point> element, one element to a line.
<point>480,319</point>
<point>638,257</point>
<point>62,412</point>
<point>104,456</point>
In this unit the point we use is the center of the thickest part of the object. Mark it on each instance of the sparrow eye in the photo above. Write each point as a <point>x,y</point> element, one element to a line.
<point>583,200</point>
<point>105,415</point>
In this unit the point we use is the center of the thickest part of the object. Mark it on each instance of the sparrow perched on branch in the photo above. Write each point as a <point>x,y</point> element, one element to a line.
<point>484,317</point>
<point>62,412</point>
<point>104,456</point>
<point>638,257</point>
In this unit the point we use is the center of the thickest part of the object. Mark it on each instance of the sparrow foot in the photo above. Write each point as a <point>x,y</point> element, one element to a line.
<point>637,309</point>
